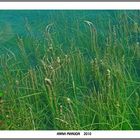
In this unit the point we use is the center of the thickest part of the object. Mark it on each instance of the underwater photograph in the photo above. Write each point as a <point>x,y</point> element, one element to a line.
<point>69,70</point>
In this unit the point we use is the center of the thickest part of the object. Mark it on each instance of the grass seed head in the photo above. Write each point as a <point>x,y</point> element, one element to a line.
<point>108,78</point>
<point>50,49</point>
<point>48,81</point>
<point>17,82</point>
<point>58,60</point>
<point>94,64</point>
<point>108,72</point>
<point>50,67</point>
<point>117,105</point>
<point>67,59</point>
<point>43,63</point>
<point>123,59</point>
<point>61,109</point>
<point>7,116</point>
<point>69,100</point>
<point>66,56</point>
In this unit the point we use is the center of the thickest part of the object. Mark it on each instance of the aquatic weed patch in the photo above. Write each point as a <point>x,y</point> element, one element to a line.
<point>79,74</point>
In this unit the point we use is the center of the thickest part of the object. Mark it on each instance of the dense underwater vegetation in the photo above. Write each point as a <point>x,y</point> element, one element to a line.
<point>70,70</point>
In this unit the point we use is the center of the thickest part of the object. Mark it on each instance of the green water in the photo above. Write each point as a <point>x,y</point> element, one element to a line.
<point>66,22</point>
<point>66,26</point>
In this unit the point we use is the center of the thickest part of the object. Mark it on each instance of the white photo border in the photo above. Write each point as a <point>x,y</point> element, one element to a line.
<point>69,6</point>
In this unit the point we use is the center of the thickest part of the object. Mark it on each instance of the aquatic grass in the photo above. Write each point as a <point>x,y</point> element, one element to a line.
<point>87,81</point>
